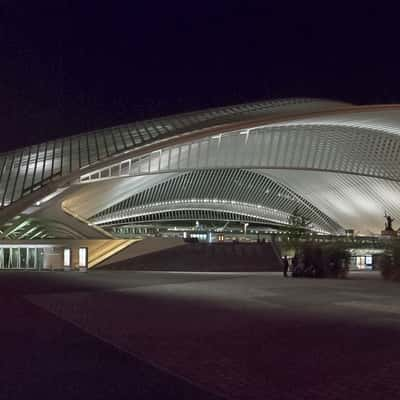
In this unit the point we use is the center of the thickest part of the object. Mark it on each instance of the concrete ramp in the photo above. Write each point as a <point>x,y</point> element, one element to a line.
<point>173,255</point>
<point>141,248</point>
<point>103,250</point>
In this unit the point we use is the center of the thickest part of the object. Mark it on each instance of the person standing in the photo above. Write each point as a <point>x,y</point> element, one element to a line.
<point>285,266</point>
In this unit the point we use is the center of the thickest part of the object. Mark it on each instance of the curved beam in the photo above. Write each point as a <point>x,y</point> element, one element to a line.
<point>350,150</point>
<point>209,212</point>
<point>297,136</point>
<point>224,188</point>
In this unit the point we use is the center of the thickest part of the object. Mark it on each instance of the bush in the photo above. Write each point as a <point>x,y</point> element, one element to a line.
<point>389,262</point>
<point>322,260</point>
<point>337,258</point>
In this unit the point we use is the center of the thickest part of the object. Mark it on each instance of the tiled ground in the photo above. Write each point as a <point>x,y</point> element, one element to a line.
<point>240,336</point>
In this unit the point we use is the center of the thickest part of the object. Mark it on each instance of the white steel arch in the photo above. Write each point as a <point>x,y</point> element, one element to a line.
<point>340,161</point>
<point>236,190</point>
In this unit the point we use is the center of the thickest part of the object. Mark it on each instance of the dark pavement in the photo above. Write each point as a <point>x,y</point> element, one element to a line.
<point>43,356</point>
<point>198,336</point>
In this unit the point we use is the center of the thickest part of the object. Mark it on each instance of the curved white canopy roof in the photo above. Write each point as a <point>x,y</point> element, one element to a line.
<point>335,163</point>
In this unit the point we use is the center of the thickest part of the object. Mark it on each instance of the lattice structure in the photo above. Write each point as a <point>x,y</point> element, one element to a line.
<point>25,170</point>
<point>336,164</point>
<point>242,191</point>
<point>353,150</point>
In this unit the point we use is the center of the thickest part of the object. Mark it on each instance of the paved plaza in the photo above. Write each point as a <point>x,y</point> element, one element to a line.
<point>148,335</point>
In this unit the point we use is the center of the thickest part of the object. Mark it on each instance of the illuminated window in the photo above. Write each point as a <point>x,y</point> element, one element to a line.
<point>83,256</point>
<point>67,257</point>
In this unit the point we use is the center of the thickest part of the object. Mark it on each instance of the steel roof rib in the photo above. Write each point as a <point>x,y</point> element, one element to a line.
<point>310,154</point>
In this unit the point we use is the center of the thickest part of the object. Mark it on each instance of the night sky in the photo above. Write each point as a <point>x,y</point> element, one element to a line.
<point>72,66</point>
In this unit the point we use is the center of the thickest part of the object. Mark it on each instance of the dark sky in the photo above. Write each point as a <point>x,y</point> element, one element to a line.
<point>72,66</point>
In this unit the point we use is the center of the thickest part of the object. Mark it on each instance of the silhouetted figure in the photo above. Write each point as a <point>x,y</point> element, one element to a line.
<point>285,266</point>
